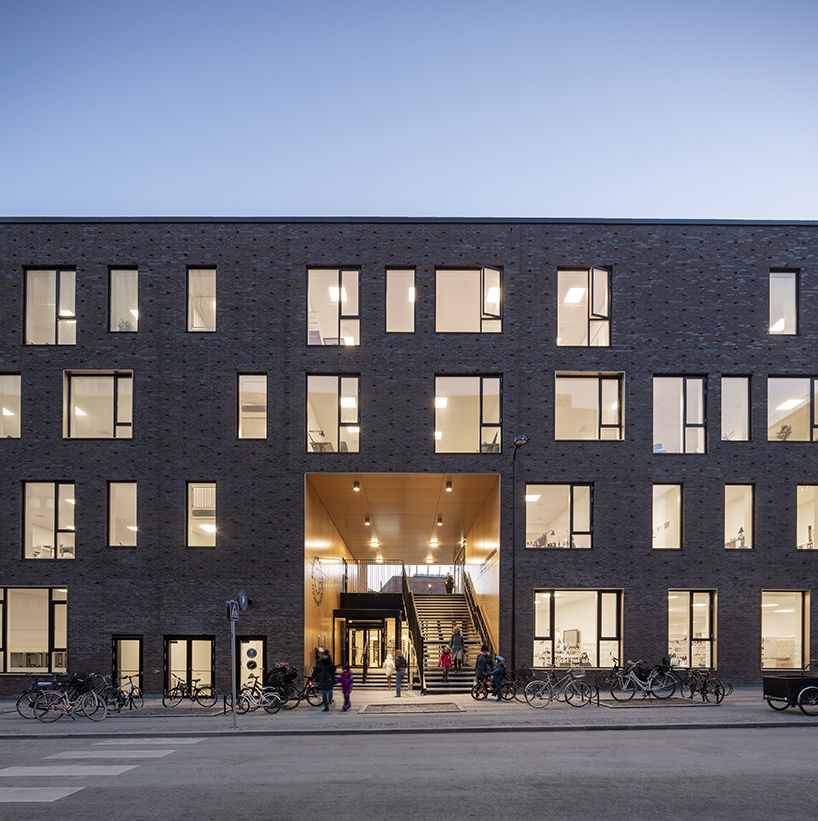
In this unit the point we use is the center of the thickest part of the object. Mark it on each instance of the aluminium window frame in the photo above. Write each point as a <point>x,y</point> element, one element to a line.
<point>190,484</point>
<point>110,484</point>
<point>340,270</point>
<point>112,269</point>
<point>357,423</point>
<point>115,637</point>
<point>188,305</point>
<point>749,380</point>
<point>752,486</point>
<point>572,531</point>
<point>681,486</point>
<point>68,427</point>
<point>396,269</point>
<point>685,425</point>
<point>53,604</point>
<point>485,314</point>
<point>710,641</point>
<point>592,315</point>
<point>56,530</point>
<point>619,378</point>
<point>806,604</point>
<point>797,273</point>
<point>813,404</point>
<point>58,271</point>
<point>481,425</point>
<point>239,375</point>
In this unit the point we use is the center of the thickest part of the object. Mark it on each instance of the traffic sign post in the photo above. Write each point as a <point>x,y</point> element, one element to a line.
<point>232,611</point>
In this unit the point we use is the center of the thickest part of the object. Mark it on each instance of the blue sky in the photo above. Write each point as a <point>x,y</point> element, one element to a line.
<point>548,109</point>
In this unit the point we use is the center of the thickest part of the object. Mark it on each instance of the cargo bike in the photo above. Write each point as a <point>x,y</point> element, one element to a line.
<point>801,690</point>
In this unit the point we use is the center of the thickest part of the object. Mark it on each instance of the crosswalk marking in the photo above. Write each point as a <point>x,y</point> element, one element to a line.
<point>67,769</point>
<point>123,742</point>
<point>40,795</point>
<point>107,754</point>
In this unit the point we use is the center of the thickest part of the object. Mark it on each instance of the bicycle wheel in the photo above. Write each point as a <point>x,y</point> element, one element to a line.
<point>173,697</point>
<point>623,689</point>
<point>577,693</point>
<point>50,706</point>
<point>243,704</point>
<point>272,703</point>
<point>507,690</point>
<point>293,698</point>
<point>663,686</point>
<point>25,702</point>
<point>604,679</point>
<point>135,699</point>
<point>808,701</point>
<point>206,696</point>
<point>539,694</point>
<point>94,707</point>
<point>688,688</point>
<point>479,691</point>
<point>314,697</point>
<point>778,705</point>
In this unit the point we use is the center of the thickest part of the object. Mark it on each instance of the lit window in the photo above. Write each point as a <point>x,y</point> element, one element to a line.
<point>791,409</point>
<point>201,514</point>
<point>575,628</point>
<point>201,299</point>
<point>584,307</point>
<point>49,520</point>
<point>122,529</point>
<point>50,307</point>
<point>252,406</point>
<point>469,301</point>
<point>10,406</point>
<point>400,300</point>
<point>735,408</point>
<point>589,406</point>
<point>124,300</point>
<point>667,517</point>
<point>333,414</point>
<point>738,516</point>
<point>468,414</point>
<point>783,302</point>
<point>806,510</point>
<point>333,312</point>
<point>782,629</point>
<point>34,632</point>
<point>98,405</point>
<point>679,418</point>
<point>691,618</point>
<point>559,516</point>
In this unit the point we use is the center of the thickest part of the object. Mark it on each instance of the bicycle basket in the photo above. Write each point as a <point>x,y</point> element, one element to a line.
<point>81,683</point>
<point>578,672</point>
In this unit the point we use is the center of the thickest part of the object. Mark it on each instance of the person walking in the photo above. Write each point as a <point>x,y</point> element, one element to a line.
<point>458,648</point>
<point>324,678</point>
<point>445,661</point>
<point>345,680</point>
<point>483,665</point>
<point>449,583</point>
<point>400,669</point>
<point>389,669</point>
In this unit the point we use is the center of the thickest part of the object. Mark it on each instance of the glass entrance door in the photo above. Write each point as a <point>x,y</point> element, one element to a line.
<point>364,645</point>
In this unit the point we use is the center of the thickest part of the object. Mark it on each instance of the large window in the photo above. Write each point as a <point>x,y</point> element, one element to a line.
<point>738,516</point>
<point>805,526</point>
<point>691,627</point>
<point>469,301</point>
<point>10,406</point>
<point>189,658</point>
<point>49,520</point>
<point>559,516</point>
<point>333,310</point>
<point>589,406</point>
<point>253,406</point>
<point>791,409</point>
<point>735,408</point>
<point>333,414</point>
<point>468,414</point>
<point>667,517</point>
<point>50,307</point>
<point>784,302</point>
<point>127,659</point>
<point>201,299</point>
<point>98,405</point>
<point>122,528</point>
<point>782,629</point>
<point>679,415</point>
<point>584,307</point>
<point>577,627</point>
<point>123,315</point>
<point>201,514</point>
<point>34,631</point>
<point>400,300</point>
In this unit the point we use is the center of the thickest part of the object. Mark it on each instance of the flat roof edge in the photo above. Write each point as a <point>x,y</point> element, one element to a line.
<point>399,220</point>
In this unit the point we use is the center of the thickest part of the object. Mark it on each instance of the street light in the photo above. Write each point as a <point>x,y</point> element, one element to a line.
<point>519,441</point>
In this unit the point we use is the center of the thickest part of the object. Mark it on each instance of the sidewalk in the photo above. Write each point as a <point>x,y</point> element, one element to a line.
<point>375,712</point>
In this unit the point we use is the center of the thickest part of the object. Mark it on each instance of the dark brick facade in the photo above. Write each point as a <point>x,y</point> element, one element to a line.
<point>688,298</point>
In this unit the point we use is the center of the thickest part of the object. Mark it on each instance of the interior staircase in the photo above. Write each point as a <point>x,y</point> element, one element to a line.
<point>437,616</point>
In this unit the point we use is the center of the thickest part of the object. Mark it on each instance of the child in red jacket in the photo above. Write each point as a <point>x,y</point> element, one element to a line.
<point>445,662</point>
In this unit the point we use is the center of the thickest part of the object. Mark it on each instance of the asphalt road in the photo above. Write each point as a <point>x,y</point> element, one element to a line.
<point>742,774</point>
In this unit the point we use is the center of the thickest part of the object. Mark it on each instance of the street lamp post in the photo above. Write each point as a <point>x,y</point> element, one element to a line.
<point>519,441</point>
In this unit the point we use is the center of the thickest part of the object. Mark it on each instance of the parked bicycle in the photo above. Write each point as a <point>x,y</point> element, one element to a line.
<point>26,699</point>
<point>205,695</point>
<point>77,696</point>
<point>706,685</point>
<point>653,683</point>
<point>569,687</point>
<point>253,696</point>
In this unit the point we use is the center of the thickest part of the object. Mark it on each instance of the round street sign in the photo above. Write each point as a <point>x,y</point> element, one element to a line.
<point>242,600</point>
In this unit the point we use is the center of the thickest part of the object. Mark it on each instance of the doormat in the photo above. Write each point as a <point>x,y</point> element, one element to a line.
<point>413,707</point>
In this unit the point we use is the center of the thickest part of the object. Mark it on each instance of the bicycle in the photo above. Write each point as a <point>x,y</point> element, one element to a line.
<point>26,699</point>
<point>605,678</point>
<point>129,694</point>
<point>485,688</point>
<point>204,695</point>
<point>251,697</point>
<point>628,683</point>
<point>699,681</point>
<point>78,696</point>
<point>542,692</point>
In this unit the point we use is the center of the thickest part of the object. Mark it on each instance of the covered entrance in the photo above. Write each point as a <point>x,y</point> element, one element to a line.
<point>364,644</point>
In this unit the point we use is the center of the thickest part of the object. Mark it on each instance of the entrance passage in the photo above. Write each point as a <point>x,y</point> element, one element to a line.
<point>365,645</point>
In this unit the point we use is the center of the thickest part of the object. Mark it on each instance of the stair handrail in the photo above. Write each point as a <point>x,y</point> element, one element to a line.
<point>414,630</point>
<point>476,614</point>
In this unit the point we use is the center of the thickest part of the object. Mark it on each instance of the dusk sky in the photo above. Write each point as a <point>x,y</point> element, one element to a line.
<point>632,109</point>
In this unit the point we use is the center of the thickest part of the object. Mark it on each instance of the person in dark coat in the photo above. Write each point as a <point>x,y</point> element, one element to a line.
<point>449,583</point>
<point>497,676</point>
<point>324,677</point>
<point>483,665</point>
<point>400,669</point>
<point>458,648</point>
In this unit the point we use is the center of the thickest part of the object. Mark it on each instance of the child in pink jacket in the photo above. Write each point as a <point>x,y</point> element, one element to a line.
<point>345,680</point>
<point>445,662</point>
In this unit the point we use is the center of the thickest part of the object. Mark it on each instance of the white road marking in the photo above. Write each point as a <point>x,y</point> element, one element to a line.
<point>107,754</point>
<point>123,742</point>
<point>19,795</point>
<point>66,769</point>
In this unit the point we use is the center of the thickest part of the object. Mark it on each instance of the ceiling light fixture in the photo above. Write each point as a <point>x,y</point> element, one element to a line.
<point>366,521</point>
<point>429,559</point>
<point>356,485</point>
<point>379,559</point>
<point>440,521</point>
<point>448,487</point>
